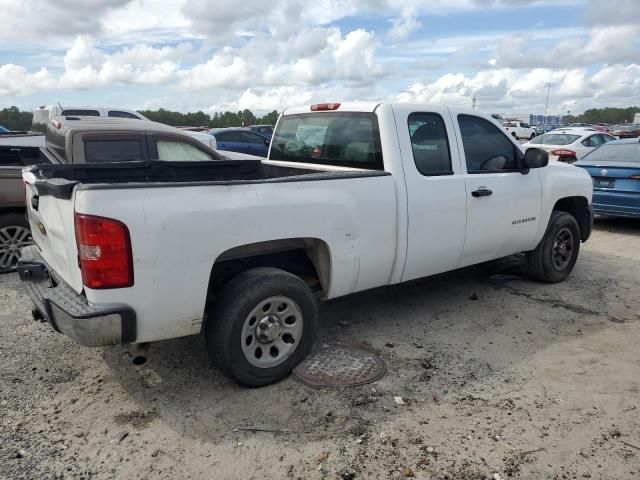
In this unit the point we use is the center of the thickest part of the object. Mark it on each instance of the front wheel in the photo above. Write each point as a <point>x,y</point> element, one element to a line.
<point>261,326</point>
<point>554,258</point>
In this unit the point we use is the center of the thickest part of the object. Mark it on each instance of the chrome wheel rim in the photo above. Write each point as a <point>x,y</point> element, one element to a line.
<point>562,250</point>
<point>272,331</point>
<point>12,239</point>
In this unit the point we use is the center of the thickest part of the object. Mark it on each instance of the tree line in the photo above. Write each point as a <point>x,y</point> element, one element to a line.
<point>217,120</point>
<point>14,119</point>
<point>608,115</point>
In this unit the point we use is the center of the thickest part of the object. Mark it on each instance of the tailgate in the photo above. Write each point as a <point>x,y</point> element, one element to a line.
<point>52,225</point>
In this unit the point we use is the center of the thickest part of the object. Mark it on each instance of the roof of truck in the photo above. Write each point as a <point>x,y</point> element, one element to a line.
<point>77,123</point>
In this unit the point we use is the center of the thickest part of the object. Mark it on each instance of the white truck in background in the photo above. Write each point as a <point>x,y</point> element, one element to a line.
<point>353,196</point>
<point>518,129</point>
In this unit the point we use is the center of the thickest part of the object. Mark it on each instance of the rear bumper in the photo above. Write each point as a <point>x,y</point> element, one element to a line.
<point>616,203</point>
<point>69,312</point>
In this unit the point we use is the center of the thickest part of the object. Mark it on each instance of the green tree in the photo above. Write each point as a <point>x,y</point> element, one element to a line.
<point>13,119</point>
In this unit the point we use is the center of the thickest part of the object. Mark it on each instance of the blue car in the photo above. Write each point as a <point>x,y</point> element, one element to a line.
<point>241,140</point>
<point>4,130</point>
<point>615,169</point>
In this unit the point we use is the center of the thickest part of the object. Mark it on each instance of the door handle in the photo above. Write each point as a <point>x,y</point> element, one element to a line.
<point>482,192</point>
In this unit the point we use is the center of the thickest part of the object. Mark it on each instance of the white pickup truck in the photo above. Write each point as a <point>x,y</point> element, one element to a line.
<point>518,129</point>
<point>353,196</point>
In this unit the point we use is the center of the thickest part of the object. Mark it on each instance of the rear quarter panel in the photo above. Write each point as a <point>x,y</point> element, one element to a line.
<point>178,232</point>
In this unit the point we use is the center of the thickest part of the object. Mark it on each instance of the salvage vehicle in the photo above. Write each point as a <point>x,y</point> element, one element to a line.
<point>241,140</point>
<point>43,114</point>
<point>569,144</point>
<point>615,169</point>
<point>379,194</point>
<point>14,228</point>
<point>518,129</point>
<point>82,140</point>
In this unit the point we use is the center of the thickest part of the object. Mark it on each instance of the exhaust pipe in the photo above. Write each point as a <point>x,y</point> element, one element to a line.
<point>139,353</point>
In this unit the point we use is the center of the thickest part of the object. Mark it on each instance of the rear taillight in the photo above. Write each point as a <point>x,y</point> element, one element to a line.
<point>320,107</point>
<point>563,152</point>
<point>104,251</point>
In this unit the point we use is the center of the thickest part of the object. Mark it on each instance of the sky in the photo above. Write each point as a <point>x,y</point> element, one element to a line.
<point>190,55</point>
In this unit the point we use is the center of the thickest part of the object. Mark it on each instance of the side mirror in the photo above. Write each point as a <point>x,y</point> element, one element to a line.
<point>536,158</point>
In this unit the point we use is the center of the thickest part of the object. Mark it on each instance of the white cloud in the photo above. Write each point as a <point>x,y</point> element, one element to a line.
<point>406,24</point>
<point>16,80</point>
<point>246,54</point>
<point>610,44</point>
<point>517,90</point>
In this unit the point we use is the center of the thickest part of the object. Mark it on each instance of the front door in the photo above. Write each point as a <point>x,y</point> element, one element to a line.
<point>503,202</point>
<point>435,191</point>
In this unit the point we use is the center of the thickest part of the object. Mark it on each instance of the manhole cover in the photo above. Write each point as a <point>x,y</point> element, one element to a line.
<point>340,367</point>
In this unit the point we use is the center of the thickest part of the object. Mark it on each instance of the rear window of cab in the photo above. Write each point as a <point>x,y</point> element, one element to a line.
<point>347,139</point>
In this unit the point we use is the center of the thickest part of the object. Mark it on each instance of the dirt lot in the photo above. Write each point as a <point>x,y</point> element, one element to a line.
<point>501,377</point>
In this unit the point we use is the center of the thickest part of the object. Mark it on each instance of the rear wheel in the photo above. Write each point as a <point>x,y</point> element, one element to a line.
<point>262,324</point>
<point>14,234</point>
<point>554,258</point>
<point>513,134</point>
<point>533,135</point>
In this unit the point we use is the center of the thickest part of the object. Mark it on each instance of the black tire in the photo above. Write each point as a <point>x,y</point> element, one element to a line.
<point>546,263</point>
<point>513,134</point>
<point>9,222</point>
<point>228,315</point>
<point>533,135</point>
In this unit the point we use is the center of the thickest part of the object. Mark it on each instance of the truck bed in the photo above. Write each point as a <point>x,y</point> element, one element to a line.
<point>59,180</point>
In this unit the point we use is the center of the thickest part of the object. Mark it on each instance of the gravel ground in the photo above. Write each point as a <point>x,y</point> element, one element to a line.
<point>500,376</point>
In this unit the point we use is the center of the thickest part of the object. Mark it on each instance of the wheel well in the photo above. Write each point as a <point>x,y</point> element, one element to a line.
<point>578,207</point>
<point>307,258</point>
<point>18,210</point>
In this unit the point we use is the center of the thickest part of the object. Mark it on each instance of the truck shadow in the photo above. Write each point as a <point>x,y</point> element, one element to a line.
<point>621,225</point>
<point>438,336</point>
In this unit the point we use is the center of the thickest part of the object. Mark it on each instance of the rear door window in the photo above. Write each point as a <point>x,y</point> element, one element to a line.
<point>178,151</point>
<point>105,149</point>
<point>249,137</point>
<point>593,141</point>
<point>348,139</point>
<point>229,137</point>
<point>430,144</point>
<point>81,113</point>
<point>119,114</point>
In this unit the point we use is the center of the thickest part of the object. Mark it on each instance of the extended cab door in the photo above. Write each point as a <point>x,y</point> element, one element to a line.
<point>503,203</point>
<point>436,193</point>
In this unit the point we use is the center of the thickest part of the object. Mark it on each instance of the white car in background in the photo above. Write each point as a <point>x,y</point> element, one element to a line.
<point>518,129</point>
<point>569,144</point>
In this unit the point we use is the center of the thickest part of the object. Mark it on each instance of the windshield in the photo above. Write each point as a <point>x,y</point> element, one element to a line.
<point>616,152</point>
<point>555,139</point>
<point>348,139</point>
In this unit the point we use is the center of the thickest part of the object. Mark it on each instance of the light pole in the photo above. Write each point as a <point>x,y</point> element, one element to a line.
<point>546,105</point>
